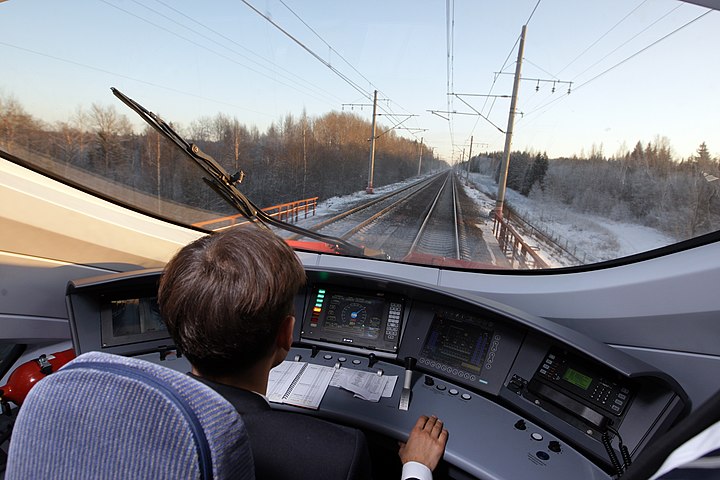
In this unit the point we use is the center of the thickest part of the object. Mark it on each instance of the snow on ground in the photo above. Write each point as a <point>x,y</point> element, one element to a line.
<point>335,205</point>
<point>590,238</point>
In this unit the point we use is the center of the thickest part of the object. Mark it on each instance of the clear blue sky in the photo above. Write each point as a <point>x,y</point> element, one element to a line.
<point>187,59</point>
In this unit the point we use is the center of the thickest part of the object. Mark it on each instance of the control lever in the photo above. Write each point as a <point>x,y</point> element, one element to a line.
<point>407,384</point>
<point>372,360</point>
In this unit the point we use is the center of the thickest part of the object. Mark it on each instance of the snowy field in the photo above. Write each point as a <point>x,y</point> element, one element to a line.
<point>588,237</point>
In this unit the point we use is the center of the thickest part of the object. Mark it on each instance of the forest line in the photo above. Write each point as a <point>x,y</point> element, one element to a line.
<point>327,156</point>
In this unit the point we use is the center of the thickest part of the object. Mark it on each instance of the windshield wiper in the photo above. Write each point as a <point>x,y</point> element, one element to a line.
<point>224,184</point>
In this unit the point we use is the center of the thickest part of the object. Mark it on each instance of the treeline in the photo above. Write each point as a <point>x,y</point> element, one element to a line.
<point>646,186</point>
<point>295,158</point>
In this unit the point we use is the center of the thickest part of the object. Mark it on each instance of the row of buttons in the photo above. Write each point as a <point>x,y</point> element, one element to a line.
<point>327,356</point>
<point>393,323</point>
<point>549,367</point>
<point>448,369</point>
<point>453,391</point>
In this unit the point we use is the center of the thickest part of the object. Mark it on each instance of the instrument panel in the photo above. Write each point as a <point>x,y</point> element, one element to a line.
<point>366,320</point>
<point>488,370</point>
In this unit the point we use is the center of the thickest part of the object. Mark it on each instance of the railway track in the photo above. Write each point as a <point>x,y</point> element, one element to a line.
<point>424,219</point>
<point>347,224</point>
<point>440,233</point>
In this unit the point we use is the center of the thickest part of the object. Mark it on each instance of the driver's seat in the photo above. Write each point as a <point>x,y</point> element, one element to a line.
<point>107,416</point>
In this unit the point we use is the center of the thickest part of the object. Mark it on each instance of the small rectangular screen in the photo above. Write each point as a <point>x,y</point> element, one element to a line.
<point>358,319</point>
<point>458,341</point>
<point>132,320</point>
<point>577,378</point>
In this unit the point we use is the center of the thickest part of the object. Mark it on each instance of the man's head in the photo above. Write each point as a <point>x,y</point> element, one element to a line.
<point>224,297</point>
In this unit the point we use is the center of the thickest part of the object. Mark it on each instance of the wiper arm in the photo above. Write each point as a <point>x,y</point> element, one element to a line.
<point>224,184</point>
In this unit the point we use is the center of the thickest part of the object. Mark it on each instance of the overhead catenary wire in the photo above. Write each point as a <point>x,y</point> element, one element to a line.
<point>337,72</point>
<point>194,20</point>
<point>601,37</point>
<point>347,62</point>
<point>532,13</point>
<point>327,44</point>
<point>205,47</point>
<point>608,54</point>
<point>296,87</point>
<point>644,49</point>
<point>128,77</point>
<point>631,39</point>
<point>517,40</point>
<point>623,61</point>
<point>341,75</point>
<point>450,68</point>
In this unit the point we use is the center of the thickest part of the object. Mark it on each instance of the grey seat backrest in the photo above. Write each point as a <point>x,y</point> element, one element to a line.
<point>107,416</point>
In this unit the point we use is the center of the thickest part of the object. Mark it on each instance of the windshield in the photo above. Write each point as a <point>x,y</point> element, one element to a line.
<point>473,135</point>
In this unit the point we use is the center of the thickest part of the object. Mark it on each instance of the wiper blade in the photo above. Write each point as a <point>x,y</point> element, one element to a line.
<point>224,184</point>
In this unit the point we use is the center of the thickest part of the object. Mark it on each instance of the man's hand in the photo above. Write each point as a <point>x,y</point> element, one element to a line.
<point>426,443</point>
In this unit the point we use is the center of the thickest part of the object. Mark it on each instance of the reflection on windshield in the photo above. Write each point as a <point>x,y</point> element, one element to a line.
<point>390,133</point>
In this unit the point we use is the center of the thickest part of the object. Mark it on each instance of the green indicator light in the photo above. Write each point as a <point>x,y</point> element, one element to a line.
<point>321,291</point>
<point>319,305</point>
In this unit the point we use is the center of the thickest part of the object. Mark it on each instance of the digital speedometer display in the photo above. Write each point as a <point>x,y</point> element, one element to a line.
<point>359,319</point>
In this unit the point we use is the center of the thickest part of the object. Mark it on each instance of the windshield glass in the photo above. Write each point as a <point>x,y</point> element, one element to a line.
<point>474,135</point>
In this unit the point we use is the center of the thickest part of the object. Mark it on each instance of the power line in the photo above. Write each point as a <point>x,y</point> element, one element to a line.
<point>642,50</point>
<point>120,75</point>
<point>326,43</point>
<point>204,47</point>
<point>332,49</point>
<point>630,40</point>
<point>501,69</point>
<point>538,67</point>
<point>508,58</point>
<point>450,68</point>
<point>602,36</point>
<point>626,59</point>
<point>337,72</point>
<point>533,12</point>
<point>607,55</point>
<point>225,37</point>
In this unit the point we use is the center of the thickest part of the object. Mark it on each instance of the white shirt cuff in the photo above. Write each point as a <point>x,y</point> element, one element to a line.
<point>416,470</point>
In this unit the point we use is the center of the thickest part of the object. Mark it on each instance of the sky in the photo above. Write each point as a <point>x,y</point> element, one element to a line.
<point>188,59</point>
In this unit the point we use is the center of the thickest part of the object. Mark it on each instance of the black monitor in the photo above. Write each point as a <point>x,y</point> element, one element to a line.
<point>361,319</point>
<point>131,320</point>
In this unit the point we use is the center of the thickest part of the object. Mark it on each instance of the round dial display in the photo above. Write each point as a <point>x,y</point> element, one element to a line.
<point>353,314</point>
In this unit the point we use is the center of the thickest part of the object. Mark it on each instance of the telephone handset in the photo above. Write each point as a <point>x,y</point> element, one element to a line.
<point>580,389</point>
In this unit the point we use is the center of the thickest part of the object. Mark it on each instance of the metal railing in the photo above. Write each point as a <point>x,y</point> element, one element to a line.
<point>547,237</point>
<point>287,212</point>
<point>514,247</point>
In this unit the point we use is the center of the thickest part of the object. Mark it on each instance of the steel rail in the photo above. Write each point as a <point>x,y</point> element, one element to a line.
<point>419,185</point>
<point>421,230</point>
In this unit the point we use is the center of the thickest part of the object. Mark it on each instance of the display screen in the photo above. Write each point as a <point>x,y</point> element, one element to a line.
<point>359,319</point>
<point>577,378</point>
<point>459,342</point>
<point>131,320</point>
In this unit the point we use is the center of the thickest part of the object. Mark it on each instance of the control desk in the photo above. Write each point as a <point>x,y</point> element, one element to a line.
<point>522,397</point>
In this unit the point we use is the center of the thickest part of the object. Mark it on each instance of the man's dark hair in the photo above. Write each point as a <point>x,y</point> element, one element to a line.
<point>224,296</point>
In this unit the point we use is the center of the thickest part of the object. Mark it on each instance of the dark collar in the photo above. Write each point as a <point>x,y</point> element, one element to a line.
<point>243,400</point>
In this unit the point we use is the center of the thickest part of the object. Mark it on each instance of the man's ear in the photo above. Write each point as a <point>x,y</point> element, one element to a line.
<point>285,333</point>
